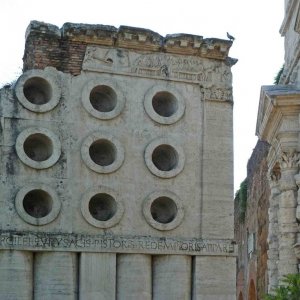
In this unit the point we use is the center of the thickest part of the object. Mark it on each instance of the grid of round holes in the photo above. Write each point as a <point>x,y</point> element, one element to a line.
<point>37,204</point>
<point>103,99</point>
<point>164,106</point>
<point>164,158</point>
<point>38,148</point>
<point>102,153</point>
<point>38,90</point>
<point>101,207</point>
<point>163,210</point>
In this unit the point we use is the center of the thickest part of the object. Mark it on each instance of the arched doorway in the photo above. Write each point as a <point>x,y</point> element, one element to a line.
<point>252,291</point>
<point>241,296</point>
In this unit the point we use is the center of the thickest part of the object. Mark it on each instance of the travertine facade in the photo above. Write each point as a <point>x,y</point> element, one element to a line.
<point>116,167</point>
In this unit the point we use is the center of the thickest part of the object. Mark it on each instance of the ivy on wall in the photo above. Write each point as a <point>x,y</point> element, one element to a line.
<point>241,198</point>
<point>289,290</point>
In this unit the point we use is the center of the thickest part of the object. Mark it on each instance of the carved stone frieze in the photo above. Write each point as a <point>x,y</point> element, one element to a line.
<point>158,65</point>
<point>218,94</point>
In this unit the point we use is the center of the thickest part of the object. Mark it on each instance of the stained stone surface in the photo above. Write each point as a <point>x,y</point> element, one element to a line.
<point>116,162</point>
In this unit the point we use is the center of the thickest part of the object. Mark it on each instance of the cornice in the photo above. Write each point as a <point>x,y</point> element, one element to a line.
<point>136,38</point>
<point>275,103</point>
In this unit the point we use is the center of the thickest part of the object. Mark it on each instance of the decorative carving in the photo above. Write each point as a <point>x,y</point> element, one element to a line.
<point>289,159</point>
<point>191,69</point>
<point>99,58</point>
<point>194,69</point>
<point>219,94</point>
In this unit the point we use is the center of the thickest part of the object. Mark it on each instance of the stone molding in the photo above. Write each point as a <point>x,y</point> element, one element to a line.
<point>136,38</point>
<point>38,221</point>
<point>71,242</point>
<point>49,77</point>
<point>54,144</point>
<point>103,115</point>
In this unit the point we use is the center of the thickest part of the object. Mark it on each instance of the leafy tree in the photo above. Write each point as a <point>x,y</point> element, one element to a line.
<point>289,290</point>
<point>278,75</point>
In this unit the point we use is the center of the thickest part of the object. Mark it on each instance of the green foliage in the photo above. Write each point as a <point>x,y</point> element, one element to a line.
<point>289,290</point>
<point>277,77</point>
<point>241,197</point>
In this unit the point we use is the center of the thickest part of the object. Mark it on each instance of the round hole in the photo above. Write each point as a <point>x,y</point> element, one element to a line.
<point>37,203</point>
<point>38,147</point>
<point>102,152</point>
<point>37,90</point>
<point>102,207</point>
<point>103,98</point>
<point>165,158</point>
<point>165,104</point>
<point>163,210</point>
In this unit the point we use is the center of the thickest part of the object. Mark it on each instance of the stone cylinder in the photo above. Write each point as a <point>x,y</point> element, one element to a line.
<point>134,277</point>
<point>172,277</point>
<point>16,275</point>
<point>97,276</point>
<point>55,276</point>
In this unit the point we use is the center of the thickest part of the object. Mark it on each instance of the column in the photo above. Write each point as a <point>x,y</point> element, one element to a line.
<point>15,275</point>
<point>55,276</point>
<point>97,276</point>
<point>134,277</point>
<point>273,252</point>
<point>172,277</point>
<point>214,278</point>
<point>288,262</point>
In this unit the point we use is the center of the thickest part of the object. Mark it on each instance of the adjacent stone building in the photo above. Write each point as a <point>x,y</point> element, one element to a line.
<point>116,164</point>
<point>273,189</point>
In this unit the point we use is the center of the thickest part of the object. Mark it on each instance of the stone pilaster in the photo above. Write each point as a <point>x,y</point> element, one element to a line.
<point>288,262</point>
<point>273,252</point>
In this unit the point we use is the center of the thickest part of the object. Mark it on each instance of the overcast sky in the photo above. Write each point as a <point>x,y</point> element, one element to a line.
<point>255,25</point>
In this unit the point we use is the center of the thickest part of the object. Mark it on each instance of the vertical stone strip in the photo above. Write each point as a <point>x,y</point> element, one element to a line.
<point>134,277</point>
<point>16,275</point>
<point>172,277</point>
<point>55,276</point>
<point>273,252</point>
<point>97,276</point>
<point>288,262</point>
<point>214,278</point>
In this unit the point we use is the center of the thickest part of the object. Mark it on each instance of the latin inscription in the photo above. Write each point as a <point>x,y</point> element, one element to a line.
<point>135,244</point>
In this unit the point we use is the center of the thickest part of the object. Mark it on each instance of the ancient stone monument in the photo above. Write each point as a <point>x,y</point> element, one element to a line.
<point>116,167</point>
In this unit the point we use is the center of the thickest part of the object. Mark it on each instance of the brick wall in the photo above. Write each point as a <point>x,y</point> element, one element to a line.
<point>254,266</point>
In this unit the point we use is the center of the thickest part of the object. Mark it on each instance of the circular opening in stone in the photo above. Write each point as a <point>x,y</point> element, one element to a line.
<point>165,104</point>
<point>163,210</point>
<point>165,158</point>
<point>37,90</point>
<point>102,207</point>
<point>38,147</point>
<point>103,152</point>
<point>103,98</point>
<point>37,203</point>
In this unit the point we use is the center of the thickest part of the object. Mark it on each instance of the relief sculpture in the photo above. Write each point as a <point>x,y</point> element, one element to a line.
<point>191,69</point>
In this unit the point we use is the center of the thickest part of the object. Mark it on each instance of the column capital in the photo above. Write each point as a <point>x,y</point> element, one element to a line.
<point>289,165</point>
